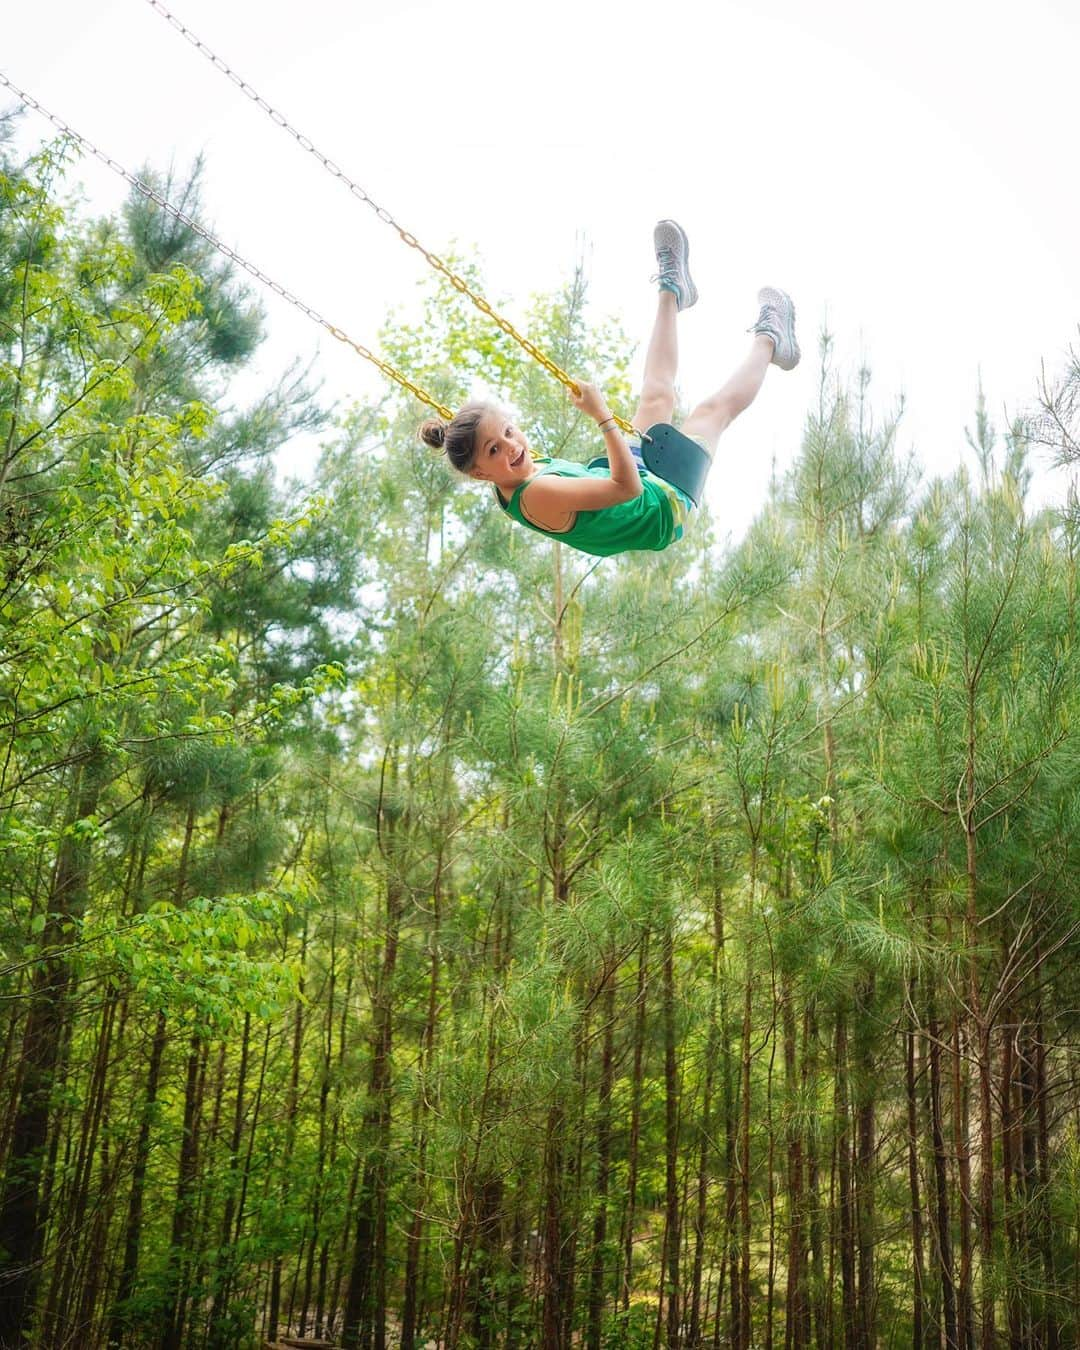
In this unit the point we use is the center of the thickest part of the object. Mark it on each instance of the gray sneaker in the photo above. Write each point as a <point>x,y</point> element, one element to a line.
<point>672,251</point>
<point>777,321</point>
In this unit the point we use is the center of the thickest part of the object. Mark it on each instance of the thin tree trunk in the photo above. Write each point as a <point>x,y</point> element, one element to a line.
<point>414,1240</point>
<point>292,1097</point>
<point>99,1266</point>
<point>554,1233</point>
<point>603,1170</point>
<point>797,1309</point>
<point>326,1312</point>
<point>120,1315</point>
<point>865,1132</point>
<point>177,1292</point>
<point>961,1137</point>
<point>217,1331</point>
<point>770,1274</point>
<point>326,1076</point>
<point>847,1198</point>
<point>745,1325</point>
<point>671,1147</point>
<point>87,1266</point>
<point>23,1209</point>
<point>982,1035</point>
<point>515,1284</point>
<point>1011,1165</point>
<point>919,1320</point>
<point>67,1262</point>
<point>821,1295</point>
<point>1025,1151</point>
<point>633,1147</point>
<point>701,1211</point>
<point>942,1221</point>
<point>1045,1222</point>
<point>365,1304</point>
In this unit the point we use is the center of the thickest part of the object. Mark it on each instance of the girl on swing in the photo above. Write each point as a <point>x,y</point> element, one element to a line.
<point>617,505</point>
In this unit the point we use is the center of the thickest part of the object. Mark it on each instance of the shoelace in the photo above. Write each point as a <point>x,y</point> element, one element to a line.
<point>669,267</point>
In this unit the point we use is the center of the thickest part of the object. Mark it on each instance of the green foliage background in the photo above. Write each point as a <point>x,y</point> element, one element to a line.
<point>412,929</point>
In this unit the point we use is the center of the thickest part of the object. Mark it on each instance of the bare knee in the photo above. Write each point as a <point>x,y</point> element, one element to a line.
<point>716,412</point>
<point>724,406</point>
<point>657,391</point>
<point>656,404</point>
<point>712,417</point>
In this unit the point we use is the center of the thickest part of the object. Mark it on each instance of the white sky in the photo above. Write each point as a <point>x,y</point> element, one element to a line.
<point>907,172</point>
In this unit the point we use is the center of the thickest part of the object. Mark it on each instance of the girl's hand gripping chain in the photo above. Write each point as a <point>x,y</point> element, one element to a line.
<point>591,401</point>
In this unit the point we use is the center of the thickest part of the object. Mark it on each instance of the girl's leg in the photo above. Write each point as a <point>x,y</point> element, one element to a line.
<point>712,417</point>
<point>657,400</point>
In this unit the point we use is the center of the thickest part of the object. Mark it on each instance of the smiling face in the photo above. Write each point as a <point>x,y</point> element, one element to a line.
<point>502,452</point>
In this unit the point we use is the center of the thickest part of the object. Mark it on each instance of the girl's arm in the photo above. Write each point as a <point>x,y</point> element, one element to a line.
<point>549,494</point>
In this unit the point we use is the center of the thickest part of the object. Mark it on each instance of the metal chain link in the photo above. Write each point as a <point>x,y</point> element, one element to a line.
<point>153,195</point>
<point>305,143</point>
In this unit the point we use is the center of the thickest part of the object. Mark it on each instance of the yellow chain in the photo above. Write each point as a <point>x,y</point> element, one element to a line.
<point>153,195</point>
<point>358,192</point>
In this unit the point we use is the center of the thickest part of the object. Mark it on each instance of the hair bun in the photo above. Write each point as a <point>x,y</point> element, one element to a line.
<point>433,433</point>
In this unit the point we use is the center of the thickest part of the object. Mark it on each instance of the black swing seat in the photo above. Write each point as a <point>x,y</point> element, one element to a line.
<point>675,458</point>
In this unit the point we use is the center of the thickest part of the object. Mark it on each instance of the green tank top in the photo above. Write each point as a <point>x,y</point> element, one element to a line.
<point>645,522</point>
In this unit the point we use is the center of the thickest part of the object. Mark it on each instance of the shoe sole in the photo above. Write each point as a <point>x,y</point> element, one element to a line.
<point>783,303</point>
<point>692,290</point>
